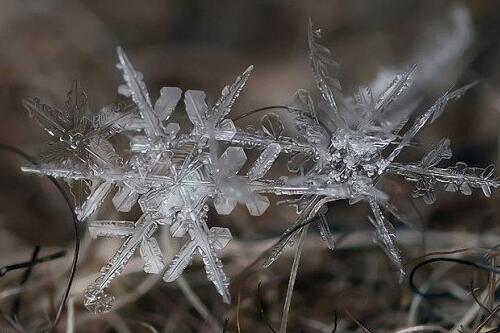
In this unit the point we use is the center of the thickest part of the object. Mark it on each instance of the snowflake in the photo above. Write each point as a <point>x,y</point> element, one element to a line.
<point>341,147</point>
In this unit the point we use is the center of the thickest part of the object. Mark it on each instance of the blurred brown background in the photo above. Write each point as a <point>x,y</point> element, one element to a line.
<point>44,45</point>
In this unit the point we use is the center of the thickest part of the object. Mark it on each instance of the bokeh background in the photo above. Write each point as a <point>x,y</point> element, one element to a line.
<point>45,45</point>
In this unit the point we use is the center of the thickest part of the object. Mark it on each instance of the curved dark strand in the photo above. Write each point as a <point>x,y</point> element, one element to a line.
<point>261,306</point>
<point>5,269</point>
<point>415,289</point>
<point>334,322</point>
<point>75,225</point>
<point>296,228</point>
<point>265,108</point>
<point>24,279</point>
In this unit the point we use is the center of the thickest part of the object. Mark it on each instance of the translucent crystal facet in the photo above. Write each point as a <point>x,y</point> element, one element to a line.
<point>339,148</point>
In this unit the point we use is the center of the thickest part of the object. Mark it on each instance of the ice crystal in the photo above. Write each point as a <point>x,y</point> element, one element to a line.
<point>341,146</point>
<point>136,235</point>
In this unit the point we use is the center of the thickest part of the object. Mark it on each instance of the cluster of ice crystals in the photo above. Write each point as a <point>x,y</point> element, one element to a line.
<point>341,147</point>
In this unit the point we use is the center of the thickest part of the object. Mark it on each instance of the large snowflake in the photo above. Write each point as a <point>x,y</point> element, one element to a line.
<point>340,147</point>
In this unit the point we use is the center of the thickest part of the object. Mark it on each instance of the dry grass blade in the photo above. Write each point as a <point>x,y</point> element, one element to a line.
<point>291,281</point>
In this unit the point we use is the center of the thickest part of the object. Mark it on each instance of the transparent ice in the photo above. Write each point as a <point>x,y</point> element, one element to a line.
<point>340,148</point>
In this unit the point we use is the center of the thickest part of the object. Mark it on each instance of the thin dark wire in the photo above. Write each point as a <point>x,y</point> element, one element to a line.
<point>297,228</point>
<point>75,225</point>
<point>262,313</point>
<point>24,279</point>
<point>265,108</point>
<point>334,322</point>
<point>5,269</point>
<point>415,289</point>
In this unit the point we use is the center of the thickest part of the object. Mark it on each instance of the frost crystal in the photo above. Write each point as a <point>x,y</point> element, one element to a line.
<point>342,145</point>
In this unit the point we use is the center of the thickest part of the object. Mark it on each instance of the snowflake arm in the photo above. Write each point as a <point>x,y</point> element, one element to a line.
<point>430,115</point>
<point>205,244</point>
<point>385,235</point>
<point>322,64</point>
<point>138,234</point>
<point>136,88</point>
